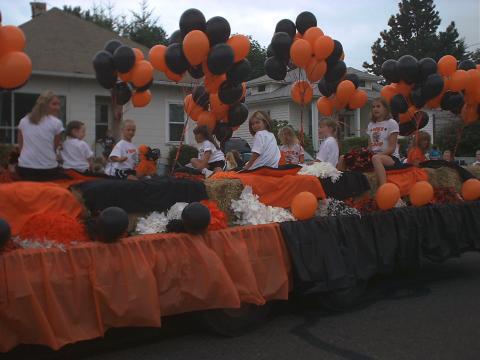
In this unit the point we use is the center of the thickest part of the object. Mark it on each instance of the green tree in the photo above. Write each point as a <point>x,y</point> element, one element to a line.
<point>476,56</point>
<point>257,57</point>
<point>144,29</point>
<point>414,31</point>
<point>99,14</point>
<point>465,139</point>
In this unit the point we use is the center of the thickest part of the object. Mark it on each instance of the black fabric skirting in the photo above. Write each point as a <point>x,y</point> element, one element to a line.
<point>350,184</point>
<point>331,253</point>
<point>140,196</point>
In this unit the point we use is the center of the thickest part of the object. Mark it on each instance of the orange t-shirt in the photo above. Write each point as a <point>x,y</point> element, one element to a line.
<point>415,154</point>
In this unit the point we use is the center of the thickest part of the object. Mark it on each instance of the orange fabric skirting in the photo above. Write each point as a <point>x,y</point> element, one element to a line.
<point>406,178</point>
<point>53,298</point>
<point>21,199</point>
<point>276,190</point>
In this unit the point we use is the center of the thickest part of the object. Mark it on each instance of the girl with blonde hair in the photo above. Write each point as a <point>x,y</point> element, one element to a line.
<point>290,150</point>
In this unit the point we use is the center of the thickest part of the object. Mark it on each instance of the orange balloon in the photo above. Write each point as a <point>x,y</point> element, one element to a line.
<point>302,92</point>
<point>208,119</point>
<point>312,34</point>
<point>316,69</point>
<point>213,82</point>
<point>435,102</point>
<point>358,99</point>
<point>173,76</point>
<point>12,38</point>
<point>138,54</point>
<point>405,117</point>
<point>304,205</point>
<point>324,106</point>
<point>337,105</point>
<point>15,69</point>
<point>447,65</point>
<point>217,107</point>
<point>412,110</point>
<point>141,99</point>
<point>403,88</point>
<point>421,193</point>
<point>196,46</point>
<point>142,73</point>
<point>345,91</point>
<point>191,108</point>
<point>157,57</point>
<point>469,114</point>
<point>297,36</point>
<point>323,47</point>
<point>473,80</point>
<point>125,76</point>
<point>301,53</point>
<point>458,80</point>
<point>471,189</point>
<point>240,45</point>
<point>387,196</point>
<point>388,92</point>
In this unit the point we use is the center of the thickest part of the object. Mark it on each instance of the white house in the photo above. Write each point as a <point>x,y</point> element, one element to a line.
<point>61,47</point>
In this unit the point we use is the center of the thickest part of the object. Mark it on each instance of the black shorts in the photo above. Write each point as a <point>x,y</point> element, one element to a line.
<point>29,174</point>
<point>396,160</point>
<point>216,164</point>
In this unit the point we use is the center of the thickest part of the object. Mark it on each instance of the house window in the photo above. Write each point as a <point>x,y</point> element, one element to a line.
<point>176,119</point>
<point>261,88</point>
<point>103,116</point>
<point>13,107</point>
<point>361,83</point>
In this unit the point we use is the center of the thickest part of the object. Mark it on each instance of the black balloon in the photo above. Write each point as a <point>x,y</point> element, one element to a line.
<point>281,42</point>
<point>201,96</point>
<point>175,38</point>
<point>112,223</point>
<point>270,51</point>
<point>427,66</point>
<point>390,71</point>
<point>327,88</point>
<point>336,53</point>
<point>467,65</point>
<point>192,19</point>
<point>175,58</point>
<point>223,132</point>
<point>353,78</point>
<point>291,65</point>
<point>239,72</point>
<point>112,45</point>
<point>103,63</point>
<point>107,81</point>
<point>122,93</point>
<point>417,97</point>
<point>456,102</point>
<point>398,104</point>
<point>408,69</point>
<point>419,121</point>
<point>229,93</point>
<point>286,25</point>
<point>5,232</point>
<point>305,21</point>
<point>218,30</point>
<point>220,59</point>
<point>444,104</point>
<point>145,87</point>
<point>237,115</point>
<point>124,58</point>
<point>196,72</point>
<point>433,86</point>
<point>336,72</point>
<point>275,68</point>
<point>196,217</point>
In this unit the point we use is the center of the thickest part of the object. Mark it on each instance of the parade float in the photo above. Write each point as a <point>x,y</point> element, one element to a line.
<point>85,254</point>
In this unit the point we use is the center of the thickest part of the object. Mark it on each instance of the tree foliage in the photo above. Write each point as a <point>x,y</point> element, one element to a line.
<point>414,31</point>
<point>257,57</point>
<point>467,137</point>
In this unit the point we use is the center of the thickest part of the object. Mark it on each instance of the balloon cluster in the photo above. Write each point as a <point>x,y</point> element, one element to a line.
<point>425,83</point>
<point>304,45</point>
<point>117,61</point>
<point>206,51</point>
<point>15,65</point>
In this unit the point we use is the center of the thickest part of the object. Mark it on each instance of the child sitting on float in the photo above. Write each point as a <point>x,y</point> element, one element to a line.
<point>291,151</point>
<point>328,151</point>
<point>418,153</point>
<point>124,156</point>
<point>265,151</point>
<point>210,157</point>
<point>76,153</point>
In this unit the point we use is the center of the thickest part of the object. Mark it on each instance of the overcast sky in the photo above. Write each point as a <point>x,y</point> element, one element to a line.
<point>355,23</point>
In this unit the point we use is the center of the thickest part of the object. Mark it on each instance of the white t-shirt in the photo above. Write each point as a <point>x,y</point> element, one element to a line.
<point>328,151</point>
<point>379,133</point>
<point>75,154</point>
<point>121,149</point>
<point>265,144</point>
<point>38,142</point>
<point>215,154</point>
<point>292,153</point>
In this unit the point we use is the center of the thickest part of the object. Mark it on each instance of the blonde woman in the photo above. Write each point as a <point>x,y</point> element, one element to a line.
<point>39,136</point>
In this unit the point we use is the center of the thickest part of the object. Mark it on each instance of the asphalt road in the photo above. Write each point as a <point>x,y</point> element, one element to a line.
<point>433,313</point>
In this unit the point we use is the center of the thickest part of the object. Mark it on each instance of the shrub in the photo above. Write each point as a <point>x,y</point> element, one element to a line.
<point>350,143</point>
<point>5,150</point>
<point>186,153</point>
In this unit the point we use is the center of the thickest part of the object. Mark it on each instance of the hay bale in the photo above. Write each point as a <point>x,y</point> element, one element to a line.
<point>444,177</point>
<point>475,170</point>
<point>223,191</point>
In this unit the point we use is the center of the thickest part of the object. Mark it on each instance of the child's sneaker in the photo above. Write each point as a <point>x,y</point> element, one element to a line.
<point>207,172</point>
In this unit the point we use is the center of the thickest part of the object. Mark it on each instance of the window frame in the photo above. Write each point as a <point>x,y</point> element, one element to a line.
<point>167,122</point>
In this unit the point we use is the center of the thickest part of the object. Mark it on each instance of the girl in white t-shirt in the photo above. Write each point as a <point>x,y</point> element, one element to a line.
<point>39,136</point>
<point>265,151</point>
<point>291,151</point>
<point>124,156</point>
<point>328,151</point>
<point>383,132</point>
<point>210,156</point>
<point>76,153</point>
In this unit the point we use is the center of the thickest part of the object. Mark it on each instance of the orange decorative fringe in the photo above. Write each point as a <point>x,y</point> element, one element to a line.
<point>218,219</point>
